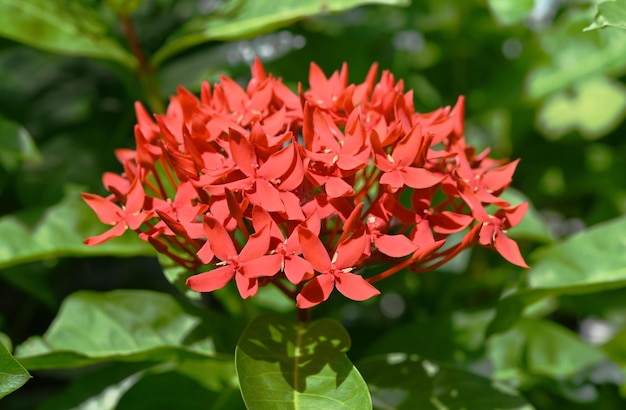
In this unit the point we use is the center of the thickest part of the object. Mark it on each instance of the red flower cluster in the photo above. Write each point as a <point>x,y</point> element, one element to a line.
<point>262,186</point>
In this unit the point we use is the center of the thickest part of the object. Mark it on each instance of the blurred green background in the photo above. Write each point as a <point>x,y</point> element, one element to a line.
<point>537,87</point>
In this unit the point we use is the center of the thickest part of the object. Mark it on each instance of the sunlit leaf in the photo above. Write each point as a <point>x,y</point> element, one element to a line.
<point>283,364</point>
<point>509,12</point>
<point>592,261</point>
<point>12,374</point>
<point>247,18</point>
<point>122,325</point>
<point>610,14</point>
<point>592,107</point>
<point>66,27</point>
<point>60,231</point>
<point>575,56</point>
<point>406,381</point>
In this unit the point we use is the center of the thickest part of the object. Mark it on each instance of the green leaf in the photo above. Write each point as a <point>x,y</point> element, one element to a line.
<point>101,388</point>
<point>123,325</point>
<point>12,374</point>
<point>65,27</point>
<point>591,261</point>
<point>247,18</point>
<point>509,12</point>
<point>610,14</point>
<point>592,107</point>
<point>189,384</point>
<point>576,56</point>
<point>60,231</point>
<point>403,381</point>
<point>16,145</point>
<point>192,384</point>
<point>540,347</point>
<point>282,364</point>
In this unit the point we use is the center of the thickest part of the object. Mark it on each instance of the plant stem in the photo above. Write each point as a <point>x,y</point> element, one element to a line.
<point>303,315</point>
<point>145,71</point>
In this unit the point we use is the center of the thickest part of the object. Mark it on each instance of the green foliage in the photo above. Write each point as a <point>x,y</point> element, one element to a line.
<point>591,261</point>
<point>402,381</point>
<point>12,374</point>
<point>122,325</point>
<point>541,84</point>
<point>244,18</point>
<point>508,12</point>
<point>64,26</point>
<point>58,231</point>
<point>610,14</point>
<point>16,145</point>
<point>283,364</point>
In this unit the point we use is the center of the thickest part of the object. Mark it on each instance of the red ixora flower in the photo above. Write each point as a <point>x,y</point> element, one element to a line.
<point>260,186</point>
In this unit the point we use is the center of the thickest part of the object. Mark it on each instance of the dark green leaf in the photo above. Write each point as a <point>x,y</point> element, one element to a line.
<point>60,231</point>
<point>66,27</point>
<point>247,18</point>
<point>403,381</point>
<point>16,145</point>
<point>101,388</point>
<point>610,14</point>
<point>192,384</point>
<point>282,364</point>
<point>541,347</point>
<point>12,374</point>
<point>123,325</point>
<point>591,261</point>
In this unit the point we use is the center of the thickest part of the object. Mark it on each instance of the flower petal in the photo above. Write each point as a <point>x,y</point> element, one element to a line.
<point>211,280</point>
<point>509,250</point>
<point>395,246</point>
<point>107,212</point>
<point>114,232</point>
<point>221,243</point>
<point>266,265</point>
<point>314,250</point>
<point>355,286</point>
<point>297,268</point>
<point>316,291</point>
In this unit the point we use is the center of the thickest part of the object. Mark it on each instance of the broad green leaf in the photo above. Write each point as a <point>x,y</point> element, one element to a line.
<point>592,261</point>
<point>282,364</point>
<point>247,18</point>
<point>509,12</point>
<point>60,231</point>
<point>610,14</point>
<point>62,26</point>
<point>592,107</point>
<point>16,145</point>
<point>190,384</point>
<point>540,347</point>
<point>406,381</point>
<point>123,325</point>
<point>575,56</point>
<point>12,374</point>
<point>101,388</point>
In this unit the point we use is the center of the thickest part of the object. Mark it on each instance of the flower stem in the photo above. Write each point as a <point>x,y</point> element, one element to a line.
<point>303,315</point>
<point>145,71</point>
